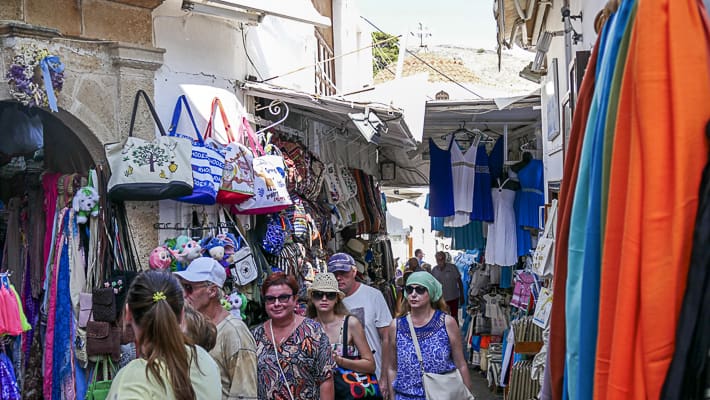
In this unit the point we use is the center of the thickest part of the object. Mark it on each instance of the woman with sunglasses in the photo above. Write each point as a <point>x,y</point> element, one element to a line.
<point>325,305</point>
<point>438,336</point>
<point>293,352</point>
<point>170,366</point>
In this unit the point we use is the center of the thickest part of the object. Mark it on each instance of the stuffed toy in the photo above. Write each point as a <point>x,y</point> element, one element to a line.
<point>160,258</point>
<point>188,252</point>
<point>85,204</point>
<point>236,304</point>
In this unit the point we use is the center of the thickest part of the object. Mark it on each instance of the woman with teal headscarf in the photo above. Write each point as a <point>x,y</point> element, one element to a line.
<point>437,333</point>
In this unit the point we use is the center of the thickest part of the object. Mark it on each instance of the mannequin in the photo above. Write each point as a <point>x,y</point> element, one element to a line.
<point>527,157</point>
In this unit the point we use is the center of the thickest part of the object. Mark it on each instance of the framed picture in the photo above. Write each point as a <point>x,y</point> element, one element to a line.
<point>387,171</point>
<point>552,107</point>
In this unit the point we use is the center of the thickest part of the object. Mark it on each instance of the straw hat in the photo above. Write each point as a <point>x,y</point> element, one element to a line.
<point>325,282</point>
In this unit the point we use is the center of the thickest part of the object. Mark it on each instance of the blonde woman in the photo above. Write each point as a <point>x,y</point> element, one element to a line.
<point>325,305</point>
<point>438,336</point>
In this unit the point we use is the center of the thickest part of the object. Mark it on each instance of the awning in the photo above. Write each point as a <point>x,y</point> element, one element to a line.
<point>296,10</point>
<point>334,112</point>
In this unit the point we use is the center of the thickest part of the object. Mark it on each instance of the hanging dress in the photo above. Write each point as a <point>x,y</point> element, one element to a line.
<point>482,200</point>
<point>501,239</point>
<point>531,196</point>
<point>441,189</point>
<point>463,173</point>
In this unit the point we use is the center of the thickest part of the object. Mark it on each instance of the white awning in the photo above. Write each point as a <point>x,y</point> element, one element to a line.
<point>334,111</point>
<point>296,10</point>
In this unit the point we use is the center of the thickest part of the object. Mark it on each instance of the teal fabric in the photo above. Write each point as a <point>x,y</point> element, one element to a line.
<point>577,236</point>
<point>585,248</point>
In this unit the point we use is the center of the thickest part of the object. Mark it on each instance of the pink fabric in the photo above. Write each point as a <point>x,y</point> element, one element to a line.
<point>49,184</point>
<point>51,311</point>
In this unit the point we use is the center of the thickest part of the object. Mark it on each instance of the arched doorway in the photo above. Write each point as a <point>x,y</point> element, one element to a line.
<point>68,145</point>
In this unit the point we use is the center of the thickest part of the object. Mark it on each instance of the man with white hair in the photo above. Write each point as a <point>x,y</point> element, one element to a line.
<point>235,350</point>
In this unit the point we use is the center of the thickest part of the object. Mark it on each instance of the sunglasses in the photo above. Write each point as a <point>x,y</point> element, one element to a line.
<point>281,298</point>
<point>419,289</point>
<point>189,288</point>
<point>319,295</point>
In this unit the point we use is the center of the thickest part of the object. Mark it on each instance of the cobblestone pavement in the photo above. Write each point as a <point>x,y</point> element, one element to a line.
<point>480,386</point>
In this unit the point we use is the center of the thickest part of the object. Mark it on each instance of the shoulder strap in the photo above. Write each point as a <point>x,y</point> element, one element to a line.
<point>176,118</point>
<point>415,341</point>
<point>345,336</point>
<point>217,103</point>
<point>140,93</point>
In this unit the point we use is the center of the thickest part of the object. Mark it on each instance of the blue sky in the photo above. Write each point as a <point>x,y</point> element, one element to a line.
<point>467,23</point>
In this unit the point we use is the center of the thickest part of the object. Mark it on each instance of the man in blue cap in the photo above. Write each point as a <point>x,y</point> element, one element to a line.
<point>366,303</point>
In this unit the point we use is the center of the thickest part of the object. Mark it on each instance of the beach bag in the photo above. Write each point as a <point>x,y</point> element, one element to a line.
<point>85,306</point>
<point>270,192</point>
<point>543,260</point>
<point>352,385</point>
<point>237,183</point>
<point>143,170</point>
<point>207,161</point>
<point>448,386</point>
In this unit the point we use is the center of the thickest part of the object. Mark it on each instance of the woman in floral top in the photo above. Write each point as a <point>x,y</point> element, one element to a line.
<point>294,357</point>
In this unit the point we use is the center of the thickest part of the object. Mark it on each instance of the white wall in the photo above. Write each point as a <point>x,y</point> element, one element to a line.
<point>552,157</point>
<point>205,57</point>
<point>350,33</point>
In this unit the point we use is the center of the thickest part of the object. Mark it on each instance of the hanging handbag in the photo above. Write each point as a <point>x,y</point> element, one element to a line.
<point>103,339</point>
<point>543,308</point>
<point>275,235</point>
<point>448,386</point>
<point>243,268</point>
<point>237,183</point>
<point>85,306</point>
<point>99,389</point>
<point>270,191</point>
<point>349,384</point>
<point>103,304</point>
<point>543,260</point>
<point>207,161</point>
<point>145,170</point>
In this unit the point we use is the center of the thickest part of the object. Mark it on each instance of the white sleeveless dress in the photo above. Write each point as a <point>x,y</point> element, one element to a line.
<point>463,173</point>
<point>501,245</point>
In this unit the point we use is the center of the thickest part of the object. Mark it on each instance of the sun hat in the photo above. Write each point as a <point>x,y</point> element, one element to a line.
<point>204,269</point>
<point>340,262</point>
<point>325,282</point>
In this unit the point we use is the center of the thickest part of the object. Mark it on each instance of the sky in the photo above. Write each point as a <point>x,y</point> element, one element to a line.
<point>465,23</point>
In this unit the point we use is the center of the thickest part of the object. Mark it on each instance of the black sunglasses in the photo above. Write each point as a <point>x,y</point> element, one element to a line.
<point>281,298</point>
<point>419,289</point>
<point>189,288</point>
<point>319,295</point>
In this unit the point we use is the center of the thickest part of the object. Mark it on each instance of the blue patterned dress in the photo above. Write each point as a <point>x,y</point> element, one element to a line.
<point>436,353</point>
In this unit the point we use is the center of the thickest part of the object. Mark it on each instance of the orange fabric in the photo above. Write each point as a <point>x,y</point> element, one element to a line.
<point>485,342</point>
<point>663,107</point>
<point>564,213</point>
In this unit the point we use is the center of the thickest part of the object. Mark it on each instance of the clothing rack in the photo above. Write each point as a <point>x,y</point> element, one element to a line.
<point>178,226</point>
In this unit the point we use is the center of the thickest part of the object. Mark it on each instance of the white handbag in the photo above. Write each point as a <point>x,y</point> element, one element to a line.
<point>243,268</point>
<point>270,192</point>
<point>543,260</point>
<point>447,386</point>
<point>144,170</point>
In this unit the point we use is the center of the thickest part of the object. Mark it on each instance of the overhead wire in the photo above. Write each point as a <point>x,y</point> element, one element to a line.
<point>427,64</point>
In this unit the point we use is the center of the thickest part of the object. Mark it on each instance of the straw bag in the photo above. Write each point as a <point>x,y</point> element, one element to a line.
<point>447,386</point>
<point>145,170</point>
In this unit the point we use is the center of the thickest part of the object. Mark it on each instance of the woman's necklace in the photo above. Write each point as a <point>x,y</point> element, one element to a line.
<point>283,333</point>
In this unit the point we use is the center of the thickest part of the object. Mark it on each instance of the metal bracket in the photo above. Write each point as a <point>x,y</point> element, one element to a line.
<point>274,108</point>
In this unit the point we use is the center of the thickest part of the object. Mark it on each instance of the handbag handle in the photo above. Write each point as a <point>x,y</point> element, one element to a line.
<point>345,336</point>
<point>247,133</point>
<point>176,118</point>
<point>217,104</point>
<point>415,341</point>
<point>140,93</point>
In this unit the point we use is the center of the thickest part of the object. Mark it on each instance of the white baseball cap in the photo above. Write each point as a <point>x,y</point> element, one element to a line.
<point>204,269</point>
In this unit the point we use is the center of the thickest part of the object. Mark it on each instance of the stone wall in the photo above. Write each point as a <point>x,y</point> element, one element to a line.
<point>101,79</point>
<point>119,20</point>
